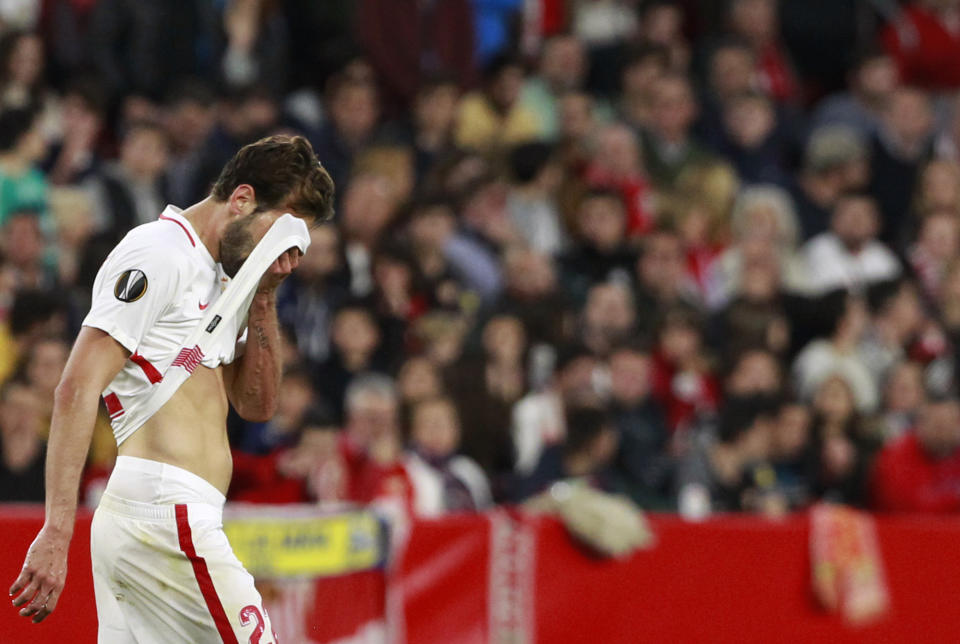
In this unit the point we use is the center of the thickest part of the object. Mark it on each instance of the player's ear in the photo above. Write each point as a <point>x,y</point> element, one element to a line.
<point>243,200</point>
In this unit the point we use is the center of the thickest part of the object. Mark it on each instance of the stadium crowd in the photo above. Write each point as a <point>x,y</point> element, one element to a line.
<point>702,253</point>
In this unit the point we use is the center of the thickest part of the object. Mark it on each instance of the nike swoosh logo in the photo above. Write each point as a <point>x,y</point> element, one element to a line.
<point>204,306</point>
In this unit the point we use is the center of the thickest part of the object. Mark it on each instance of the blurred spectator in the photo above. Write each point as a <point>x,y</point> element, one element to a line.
<point>532,294</point>
<point>367,464</point>
<point>306,301</point>
<point>256,44</point>
<point>600,251</point>
<point>129,50</point>
<point>538,418</point>
<point>757,23</point>
<point>281,431</point>
<point>902,144</point>
<point>839,354</point>
<point>753,139</point>
<point>842,446</point>
<point>755,372</point>
<point>353,110</point>
<point>920,471</point>
<point>561,69</point>
<point>683,380</point>
<point>133,190</point>
<point>22,185</point>
<point>662,25</point>
<point>759,314</point>
<point>430,229</point>
<point>764,227</point>
<point>872,80</point>
<point>355,338</point>
<point>441,480</point>
<point>849,255</point>
<point>835,161</point>
<point>407,41</point>
<point>284,474</point>
<point>486,388</point>
<point>897,319</point>
<point>662,281</point>
<point>244,115</point>
<point>73,154</point>
<point>642,68</point>
<point>924,41</point>
<point>669,147</point>
<point>369,206</point>
<point>23,244</point>
<point>536,179</point>
<point>22,86</point>
<point>938,188</point>
<point>938,242</point>
<point>190,111</point>
<point>586,453</point>
<point>731,70</point>
<point>617,164</point>
<point>730,460</point>
<point>643,467</point>
<point>493,117</point>
<point>21,446</point>
<point>604,27</point>
<point>790,454</point>
<point>903,394</point>
<point>430,130</point>
<point>418,379</point>
<point>609,318</point>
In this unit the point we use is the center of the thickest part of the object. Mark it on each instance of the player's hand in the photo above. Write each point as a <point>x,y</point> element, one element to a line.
<point>41,579</point>
<point>279,270</point>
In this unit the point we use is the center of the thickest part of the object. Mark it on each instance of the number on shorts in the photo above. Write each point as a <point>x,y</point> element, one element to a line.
<point>245,620</point>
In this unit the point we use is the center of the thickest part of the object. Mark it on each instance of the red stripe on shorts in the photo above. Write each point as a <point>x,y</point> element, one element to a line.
<point>203,577</point>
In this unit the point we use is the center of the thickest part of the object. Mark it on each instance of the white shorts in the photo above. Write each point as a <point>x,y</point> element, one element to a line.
<point>163,570</point>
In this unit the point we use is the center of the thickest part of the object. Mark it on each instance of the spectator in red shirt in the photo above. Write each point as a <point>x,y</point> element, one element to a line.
<point>925,41</point>
<point>920,472</point>
<point>370,444</point>
<point>683,382</point>
<point>756,22</point>
<point>617,165</point>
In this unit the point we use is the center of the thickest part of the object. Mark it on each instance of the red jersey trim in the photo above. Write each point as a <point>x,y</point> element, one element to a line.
<point>202,574</point>
<point>153,375</point>
<point>189,236</point>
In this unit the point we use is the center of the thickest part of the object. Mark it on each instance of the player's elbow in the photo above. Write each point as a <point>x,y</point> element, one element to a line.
<point>68,392</point>
<point>257,411</point>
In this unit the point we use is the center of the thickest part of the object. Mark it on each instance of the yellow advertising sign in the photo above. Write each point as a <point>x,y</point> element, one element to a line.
<point>278,546</point>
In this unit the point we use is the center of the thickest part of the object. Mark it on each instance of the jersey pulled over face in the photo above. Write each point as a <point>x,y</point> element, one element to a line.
<point>149,295</point>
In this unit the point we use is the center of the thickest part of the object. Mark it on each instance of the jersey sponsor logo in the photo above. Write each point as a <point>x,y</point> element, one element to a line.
<point>213,323</point>
<point>130,286</point>
<point>203,307</point>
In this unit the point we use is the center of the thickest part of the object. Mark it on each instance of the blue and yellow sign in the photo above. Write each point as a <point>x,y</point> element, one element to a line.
<point>283,547</point>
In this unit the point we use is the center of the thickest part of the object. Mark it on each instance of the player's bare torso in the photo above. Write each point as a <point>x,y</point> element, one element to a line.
<point>190,430</point>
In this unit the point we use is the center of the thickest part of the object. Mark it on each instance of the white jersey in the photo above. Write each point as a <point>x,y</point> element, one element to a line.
<point>149,295</point>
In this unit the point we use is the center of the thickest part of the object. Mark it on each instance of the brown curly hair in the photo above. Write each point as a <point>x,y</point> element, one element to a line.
<point>284,172</point>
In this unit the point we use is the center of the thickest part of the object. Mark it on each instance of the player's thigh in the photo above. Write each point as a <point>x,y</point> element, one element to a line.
<point>112,625</point>
<point>234,586</point>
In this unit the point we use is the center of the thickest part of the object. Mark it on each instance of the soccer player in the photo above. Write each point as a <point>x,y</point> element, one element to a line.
<point>163,569</point>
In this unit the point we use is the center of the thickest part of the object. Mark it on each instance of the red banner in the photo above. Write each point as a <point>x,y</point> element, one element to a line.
<point>477,579</point>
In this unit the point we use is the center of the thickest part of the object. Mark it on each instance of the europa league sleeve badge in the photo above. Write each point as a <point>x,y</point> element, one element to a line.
<point>130,286</point>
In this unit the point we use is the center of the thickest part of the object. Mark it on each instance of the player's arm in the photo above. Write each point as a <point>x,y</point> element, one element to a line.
<point>253,381</point>
<point>94,361</point>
